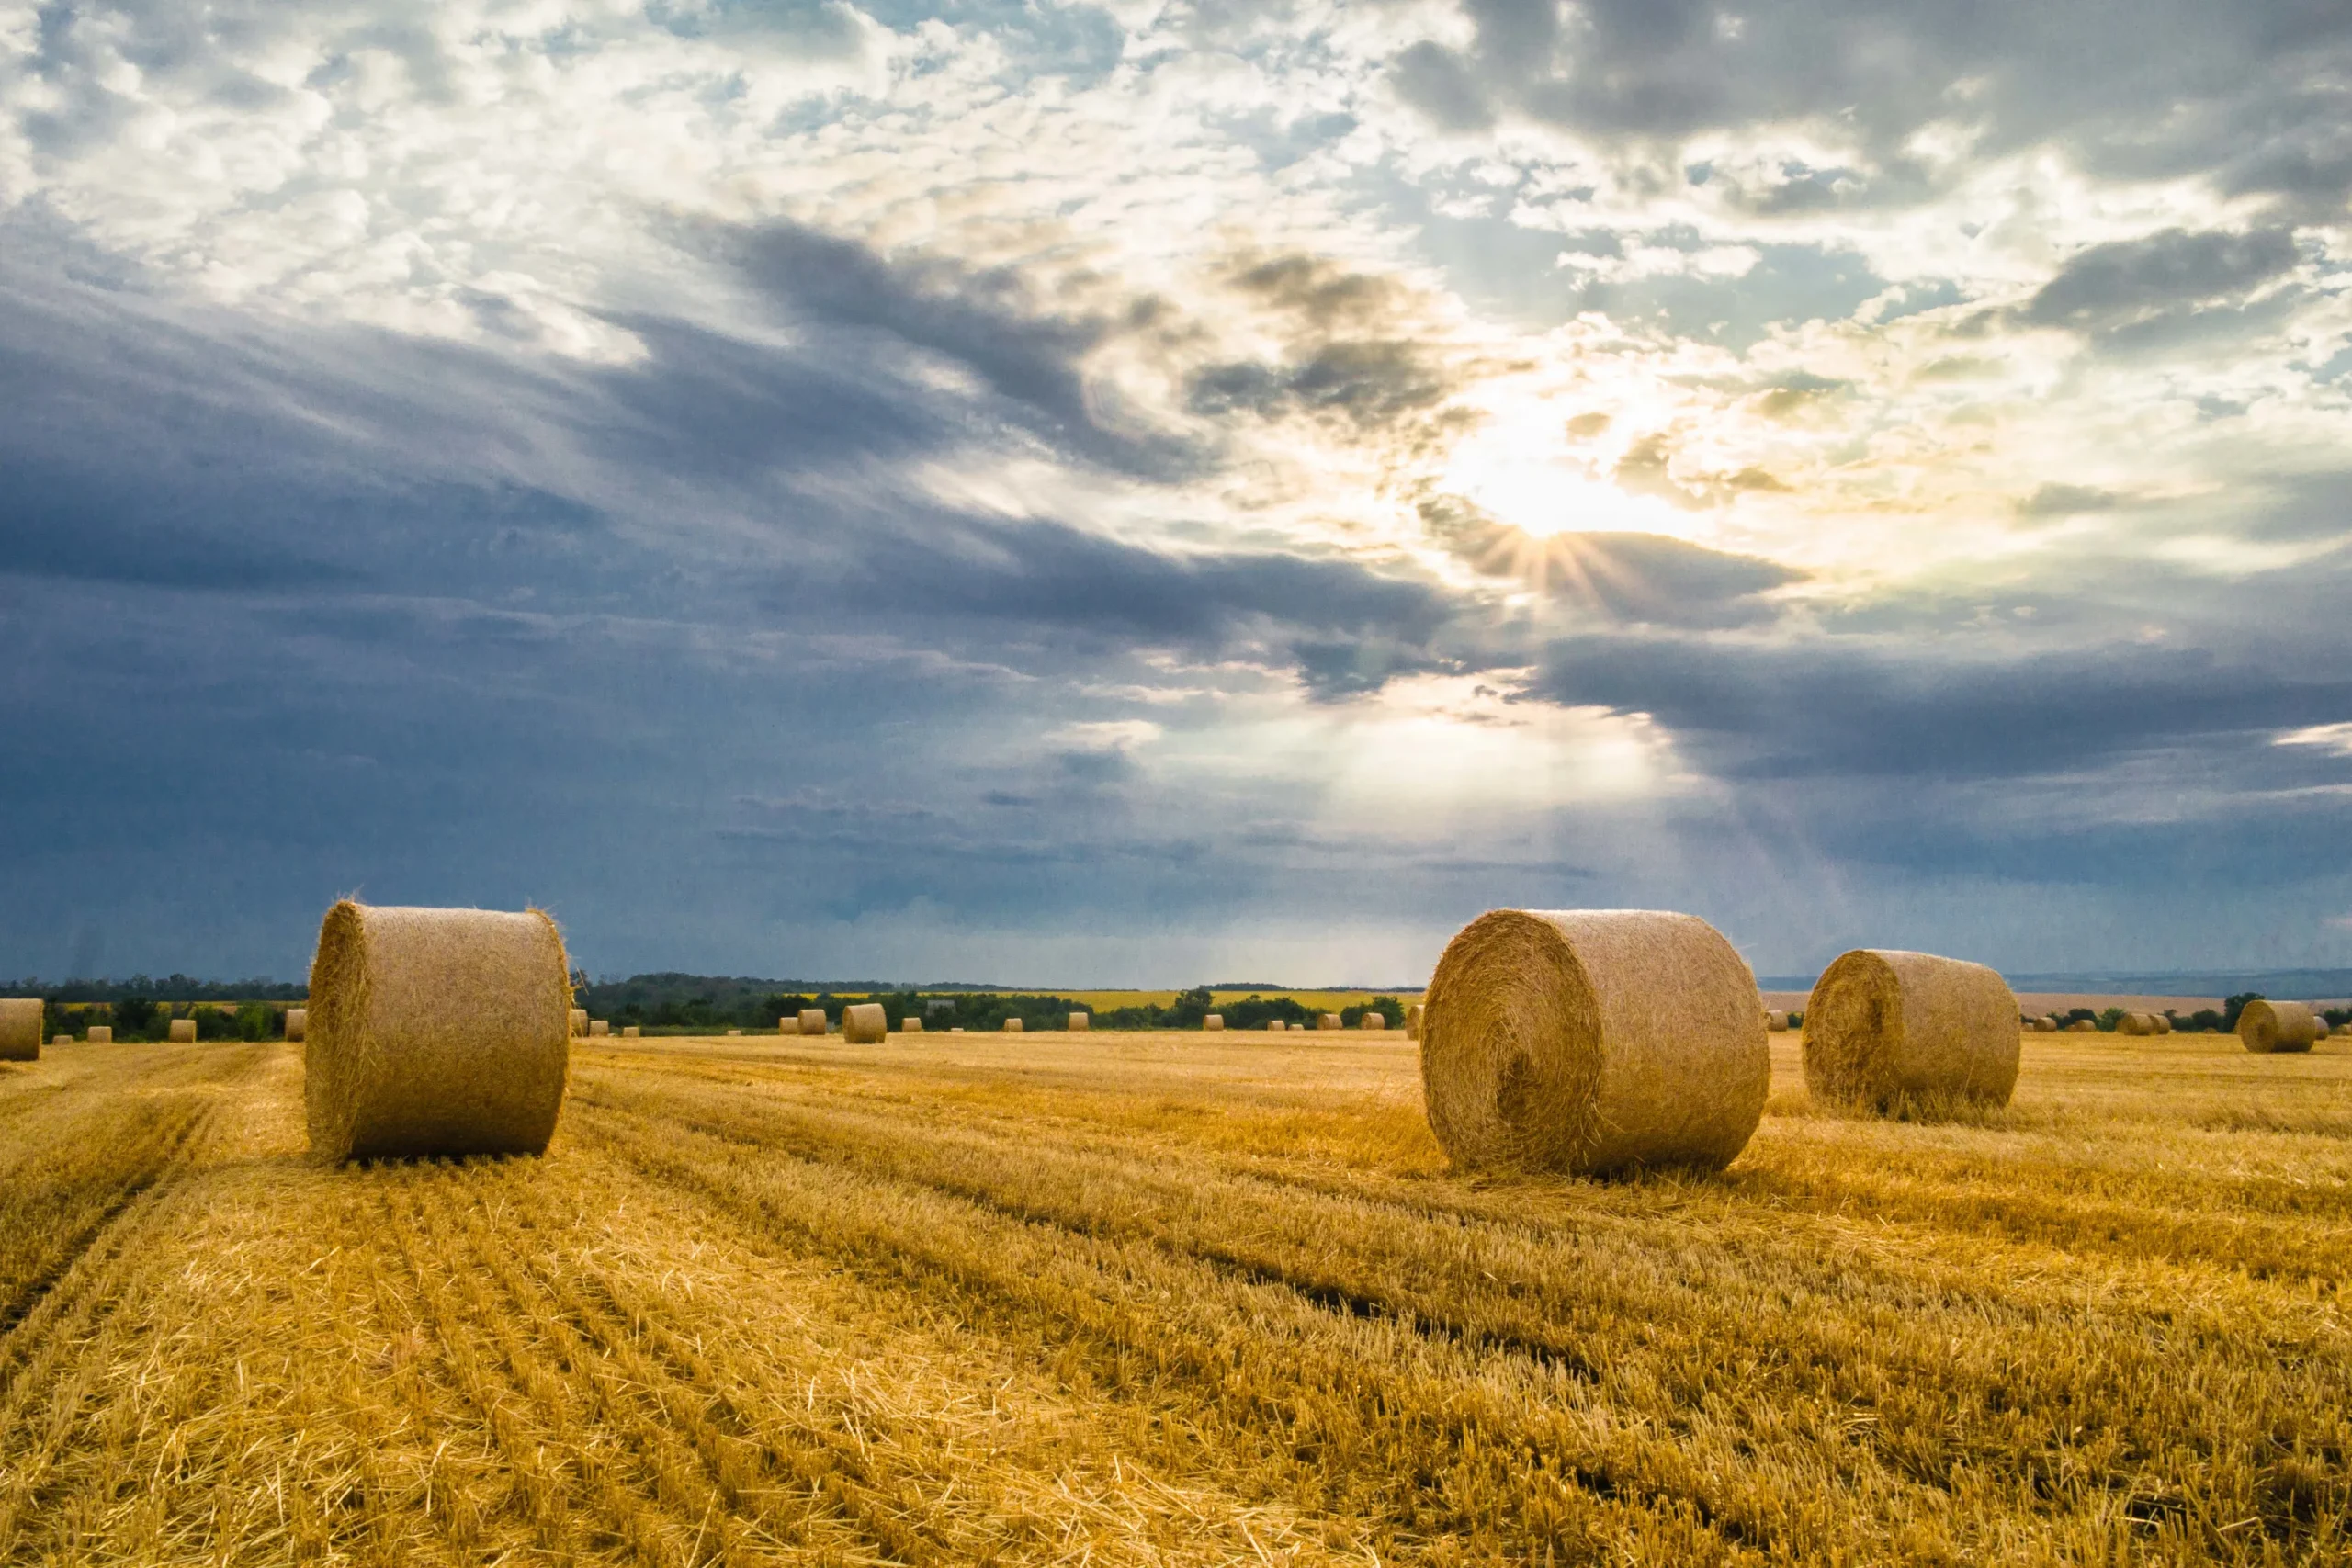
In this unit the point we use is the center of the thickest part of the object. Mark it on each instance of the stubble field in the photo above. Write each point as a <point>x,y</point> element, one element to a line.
<point>1168,1299</point>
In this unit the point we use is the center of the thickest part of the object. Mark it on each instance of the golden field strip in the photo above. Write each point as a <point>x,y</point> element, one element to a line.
<point>1168,1299</point>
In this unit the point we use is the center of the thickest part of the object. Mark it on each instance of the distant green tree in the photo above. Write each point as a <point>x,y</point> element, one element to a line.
<point>2235,1005</point>
<point>2107,1021</point>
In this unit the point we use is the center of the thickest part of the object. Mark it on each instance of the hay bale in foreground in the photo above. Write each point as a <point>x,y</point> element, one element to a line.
<point>864,1023</point>
<point>911,1024</point>
<point>1591,1040</point>
<point>812,1021</point>
<point>579,1022</point>
<point>182,1032</point>
<point>1012,1026</point>
<point>1213,1020</point>
<point>441,1031</point>
<point>1080,1022</point>
<point>2267,1028</point>
<point>20,1029</point>
<point>102,1034</point>
<point>600,1029</point>
<point>1885,1025</point>
<point>298,1023</point>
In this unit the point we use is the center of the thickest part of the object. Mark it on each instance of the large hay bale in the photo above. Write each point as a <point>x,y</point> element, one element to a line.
<point>864,1024</point>
<point>911,1024</point>
<point>1080,1022</point>
<point>1590,1041</point>
<point>182,1032</point>
<point>600,1029</point>
<point>1012,1026</point>
<point>2268,1028</point>
<point>1885,1026</point>
<point>20,1029</point>
<point>298,1023</point>
<point>579,1022</point>
<point>101,1034</point>
<point>441,1031</point>
<point>1213,1020</point>
<point>812,1021</point>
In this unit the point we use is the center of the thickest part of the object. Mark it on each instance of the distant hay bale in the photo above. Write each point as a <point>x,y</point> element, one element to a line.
<point>1886,1025</point>
<point>734,1031</point>
<point>1591,1041</point>
<point>21,1019</point>
<point>2081,1026</point>
<point>298,1023</point>
<point>911,1024</point>
<point>102,1034</point>
<point>599,1028</point>
<point>1213,1020</point>
<point>441,1031</point>
<point>1080,1022</point>
<point>1012,1026</point>
<point>629,1032</point>
<point>579,1022</point>
<point>812,1021</point>
<point>1328,1020</point>
<point>864,1023</point>
<point>1413,1020</point>
<point>2162,1022</point>
<point>182,1032</point>
<point>1275,1026</point>
<point>60,1040</point>
<point>2267,1028</point>
<point>2134,1023</point>
<point>955,1028</point>
<point>1776,1022</point>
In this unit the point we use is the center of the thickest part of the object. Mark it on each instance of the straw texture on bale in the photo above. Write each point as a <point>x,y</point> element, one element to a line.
<point>1213,1020</point>
<point>298,1023</point>
<point>1080,1022</point>
<point>600,1029</point>
<point>911,1024</point>
<point>1012,1026</point>
<point>579,1022</point>
<point>2268,1028</point>
<point>440,1032</point>
<point>629,1032</point>
<point>812,1021</point>
<point>20,1029</point>
<point>1883,1025</point>
<point>1591,1040</point>
<point>864,1024</point>
<point>102,1034</point>
<point>1328,1020</point>
<point>182,1032</point>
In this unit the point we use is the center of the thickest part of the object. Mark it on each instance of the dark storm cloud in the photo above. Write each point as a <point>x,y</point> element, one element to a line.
<point>1819,709</point>
<point>2254,92</point>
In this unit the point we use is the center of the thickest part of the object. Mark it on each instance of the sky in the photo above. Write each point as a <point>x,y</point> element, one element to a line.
<point>1144,493</point>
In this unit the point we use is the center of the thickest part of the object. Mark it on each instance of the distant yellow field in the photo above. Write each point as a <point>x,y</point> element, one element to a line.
<point>1326,1001</point>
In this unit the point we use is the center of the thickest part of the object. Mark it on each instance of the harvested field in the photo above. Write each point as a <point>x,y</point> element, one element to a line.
<point>1170,1298</point>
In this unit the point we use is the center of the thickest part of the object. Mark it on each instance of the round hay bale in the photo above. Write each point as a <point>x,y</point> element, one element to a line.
<point>102,1034</point>
<point>1885,1025</point>
<point>579,1022</point>
<point>733,1031</point>
<point>20,1029</point>
<point>864,1023</point>
<point>1080,1022</point>
<point>2081,1026</point>
<point>1012,1026</point>
<point>2268,1028</point>
<point>441,1031</point>
<point>60,1040</point>
<point>1589,1040</point>
<point>1328,1020</point>
<point>911,1024</point>
<point>955,1028</point>
<point>1373,1019</point>
<point>630,1031</point>
<point>1275,1026</point>
<point>600,1029</point>
<point>182,1032</point>
<point>298,1023</point>
<point>812,1021</point>
<point>1213,1022</point>
<point>2162,1022</point>
<point>1413,1020</point>
<point>1776,1022</point>
<point>2133,1023</point>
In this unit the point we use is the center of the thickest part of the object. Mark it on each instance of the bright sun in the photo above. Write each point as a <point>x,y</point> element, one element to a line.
<point>1509,475</point>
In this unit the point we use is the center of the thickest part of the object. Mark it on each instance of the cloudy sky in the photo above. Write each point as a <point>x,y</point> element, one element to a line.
<point>1141,492</point>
